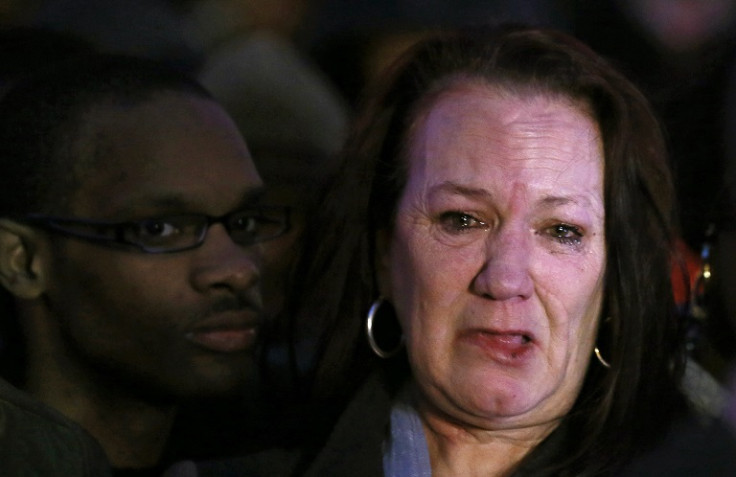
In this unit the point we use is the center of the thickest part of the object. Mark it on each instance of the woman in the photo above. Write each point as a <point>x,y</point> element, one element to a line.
<point>506,201</point>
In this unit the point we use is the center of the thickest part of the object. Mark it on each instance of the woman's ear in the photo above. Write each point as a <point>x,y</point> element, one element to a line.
<point>382,261</point>
<point>20,267</point>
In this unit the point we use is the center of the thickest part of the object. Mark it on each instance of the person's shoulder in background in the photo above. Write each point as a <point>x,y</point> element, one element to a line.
<point>704,444</point>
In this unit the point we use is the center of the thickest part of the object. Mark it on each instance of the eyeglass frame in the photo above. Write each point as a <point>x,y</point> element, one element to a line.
<point>117,239</point>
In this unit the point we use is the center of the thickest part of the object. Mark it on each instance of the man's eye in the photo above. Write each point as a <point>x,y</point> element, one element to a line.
<point>158,228</point>
<point>460,222</point>
<point>566,234</point>
<point>245,223</point>
<point>255,225</point>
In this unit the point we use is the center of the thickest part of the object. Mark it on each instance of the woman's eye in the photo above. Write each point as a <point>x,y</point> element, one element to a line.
<point>460,222</point>
<point>566,233</point>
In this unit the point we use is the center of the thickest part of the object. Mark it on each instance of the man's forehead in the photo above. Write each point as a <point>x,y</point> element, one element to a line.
<point>193,152</point>
<point>162,128</point>
<point>113,192</point>
<point>150,111</point>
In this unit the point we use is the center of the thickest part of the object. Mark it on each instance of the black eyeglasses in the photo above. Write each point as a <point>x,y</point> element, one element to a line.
<point>173,233</point>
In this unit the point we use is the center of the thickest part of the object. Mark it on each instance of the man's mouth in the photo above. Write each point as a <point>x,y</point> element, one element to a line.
<point>227,332</point>
<point>225,340</point>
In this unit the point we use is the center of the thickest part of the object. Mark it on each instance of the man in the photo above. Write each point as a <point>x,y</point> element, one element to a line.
<point>130,240</point>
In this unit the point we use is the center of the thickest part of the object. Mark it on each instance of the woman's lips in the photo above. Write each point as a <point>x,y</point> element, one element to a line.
<point>508,347</point>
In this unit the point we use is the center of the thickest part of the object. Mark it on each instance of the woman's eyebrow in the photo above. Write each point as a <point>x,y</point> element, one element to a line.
<point>554,201</point>
<point>459,189</point>
<point>550,201</point>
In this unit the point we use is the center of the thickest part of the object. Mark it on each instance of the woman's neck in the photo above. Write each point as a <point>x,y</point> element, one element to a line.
<point>457,449</point>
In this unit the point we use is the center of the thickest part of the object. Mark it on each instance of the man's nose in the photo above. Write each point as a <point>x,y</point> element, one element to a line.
<point>223,264</point>
<point>504,268</point>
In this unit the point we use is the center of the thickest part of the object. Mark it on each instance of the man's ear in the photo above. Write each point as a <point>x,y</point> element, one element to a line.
<point>382,261</point>
<point>20,263</point>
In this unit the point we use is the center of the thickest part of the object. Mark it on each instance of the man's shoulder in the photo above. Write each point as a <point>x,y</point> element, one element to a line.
<point>37,440</point>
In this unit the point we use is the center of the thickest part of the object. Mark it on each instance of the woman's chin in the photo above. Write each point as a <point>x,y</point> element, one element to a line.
<point>489,404</point>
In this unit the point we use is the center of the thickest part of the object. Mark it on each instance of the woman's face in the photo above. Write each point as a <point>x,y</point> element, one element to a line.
<point>496,261</point>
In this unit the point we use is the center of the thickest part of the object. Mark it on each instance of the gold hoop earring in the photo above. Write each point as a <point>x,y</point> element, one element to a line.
<point>597,351</point>
<point>600,357</point>
<point>370,325</point>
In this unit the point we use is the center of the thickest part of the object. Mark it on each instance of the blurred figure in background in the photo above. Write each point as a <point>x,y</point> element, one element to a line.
<point>153,29</point>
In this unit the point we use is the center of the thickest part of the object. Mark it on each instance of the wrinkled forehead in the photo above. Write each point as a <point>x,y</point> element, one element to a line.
<point>501,126</point>
<point>503,88</point>
<point>466,89</point>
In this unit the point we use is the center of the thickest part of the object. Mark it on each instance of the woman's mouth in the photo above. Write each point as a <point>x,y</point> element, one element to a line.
<point>507,347</point>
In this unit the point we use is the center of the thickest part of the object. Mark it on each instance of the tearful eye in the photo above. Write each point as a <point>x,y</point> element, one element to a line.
<point>460,222</point>
<point>566,234</point>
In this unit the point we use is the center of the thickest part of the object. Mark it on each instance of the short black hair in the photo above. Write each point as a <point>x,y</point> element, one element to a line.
<point>42,118</point>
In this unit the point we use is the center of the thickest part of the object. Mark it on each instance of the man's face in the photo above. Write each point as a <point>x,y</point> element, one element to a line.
<point>172,325</point>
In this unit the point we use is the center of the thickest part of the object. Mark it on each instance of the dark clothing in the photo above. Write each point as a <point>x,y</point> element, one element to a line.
<point>155,471</point>
<point>693,448</point>
<point>355,447</point>
<point>35,440</point>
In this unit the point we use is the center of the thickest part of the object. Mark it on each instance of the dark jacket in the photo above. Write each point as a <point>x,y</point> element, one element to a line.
<point>35,440</point>
<point>353,449</point>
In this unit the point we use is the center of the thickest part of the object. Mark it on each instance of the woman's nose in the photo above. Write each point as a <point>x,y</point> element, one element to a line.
<point>504,269</point>
<point>223,264</point>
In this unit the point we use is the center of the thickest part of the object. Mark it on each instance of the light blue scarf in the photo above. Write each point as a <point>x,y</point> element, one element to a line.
<point>405,453</point>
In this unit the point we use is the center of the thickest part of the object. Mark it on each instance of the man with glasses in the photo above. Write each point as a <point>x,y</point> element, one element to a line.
<point>131,236</point>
